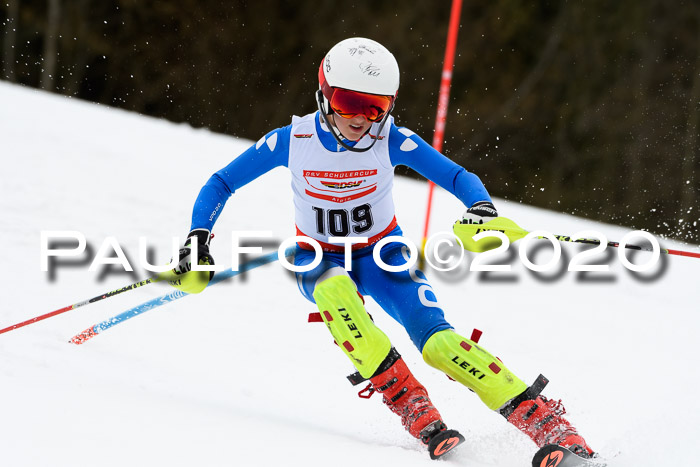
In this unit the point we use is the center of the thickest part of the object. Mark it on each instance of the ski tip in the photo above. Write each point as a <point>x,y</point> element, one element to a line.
<point>444,442</point>
<point>552,455</point>
<point>549,456</point>
<point>81,338</point>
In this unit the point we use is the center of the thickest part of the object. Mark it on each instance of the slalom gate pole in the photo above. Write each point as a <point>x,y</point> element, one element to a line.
<point>443,101</point>
<point>514,232</point>
<point>98,328</point>
<point>133,286</point>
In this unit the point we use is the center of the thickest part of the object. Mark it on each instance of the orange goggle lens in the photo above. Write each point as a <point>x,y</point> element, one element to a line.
<point>348,104</point>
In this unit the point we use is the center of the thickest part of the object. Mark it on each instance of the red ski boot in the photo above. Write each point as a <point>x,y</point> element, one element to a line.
<point>541,419</point>
<point>407,398</point>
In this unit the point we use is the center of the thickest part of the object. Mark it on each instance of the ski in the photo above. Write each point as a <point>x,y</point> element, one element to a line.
<point>552,455</point>
<point>96,329</point>
<point>443,442</point>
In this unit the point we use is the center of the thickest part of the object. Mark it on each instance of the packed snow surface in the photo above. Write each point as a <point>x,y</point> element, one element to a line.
<point>236,376</point>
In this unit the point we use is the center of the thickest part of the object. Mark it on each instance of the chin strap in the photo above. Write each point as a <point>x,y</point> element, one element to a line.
<point>324,117</point>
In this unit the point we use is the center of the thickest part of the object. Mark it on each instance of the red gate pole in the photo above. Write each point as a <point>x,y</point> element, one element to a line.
<point>443,101</point>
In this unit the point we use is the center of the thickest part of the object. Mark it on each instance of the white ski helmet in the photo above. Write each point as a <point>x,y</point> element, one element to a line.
<point>361,65</point>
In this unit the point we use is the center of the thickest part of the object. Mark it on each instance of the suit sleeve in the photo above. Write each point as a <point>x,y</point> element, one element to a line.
<point>269,152</point>
<point>409,149</point>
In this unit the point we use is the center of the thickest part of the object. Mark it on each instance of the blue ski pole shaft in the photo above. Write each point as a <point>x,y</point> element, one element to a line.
<point>96,329</point>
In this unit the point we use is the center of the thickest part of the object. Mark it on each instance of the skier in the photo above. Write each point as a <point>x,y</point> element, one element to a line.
<point>342,161</point>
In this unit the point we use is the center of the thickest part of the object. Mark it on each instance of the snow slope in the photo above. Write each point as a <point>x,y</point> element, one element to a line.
<point>236,377</point>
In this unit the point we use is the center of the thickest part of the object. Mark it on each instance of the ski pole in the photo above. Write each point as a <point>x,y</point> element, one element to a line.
<point>133,286</point>
<point>465,232</point>
<point>96,329</point>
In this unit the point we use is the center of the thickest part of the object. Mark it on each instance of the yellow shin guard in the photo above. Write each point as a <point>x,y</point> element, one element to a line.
<point>464,361</point>
<point>352,328</point>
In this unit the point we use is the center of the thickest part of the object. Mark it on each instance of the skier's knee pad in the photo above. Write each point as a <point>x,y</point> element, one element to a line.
<point>352,328</point>
<point>464,361</point>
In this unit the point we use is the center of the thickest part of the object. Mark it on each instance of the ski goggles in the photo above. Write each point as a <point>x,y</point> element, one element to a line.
<point>349,104</point>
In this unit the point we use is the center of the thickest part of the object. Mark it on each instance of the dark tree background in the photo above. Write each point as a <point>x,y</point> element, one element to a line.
<point>589,107</point>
